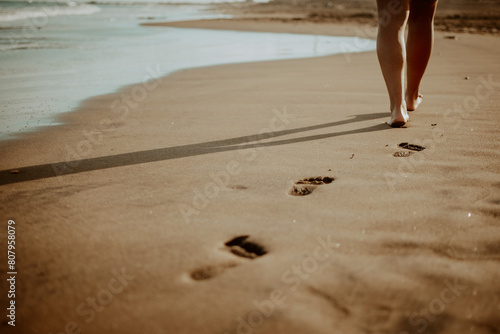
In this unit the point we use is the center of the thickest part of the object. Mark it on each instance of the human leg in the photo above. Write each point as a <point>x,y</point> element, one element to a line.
<point>418,47</point>
<point>391,52</point>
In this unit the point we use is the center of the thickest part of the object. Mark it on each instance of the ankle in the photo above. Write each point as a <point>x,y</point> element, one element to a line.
<point>412,96</point>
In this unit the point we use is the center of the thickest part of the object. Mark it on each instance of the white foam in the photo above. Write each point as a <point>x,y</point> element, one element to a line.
<point>49,11</point>
<point>25,46</point>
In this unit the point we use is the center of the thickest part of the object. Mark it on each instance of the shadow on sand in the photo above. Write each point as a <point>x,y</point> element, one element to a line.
<point>31,173</point>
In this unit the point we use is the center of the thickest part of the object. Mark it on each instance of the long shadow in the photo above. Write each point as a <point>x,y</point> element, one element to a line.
<point>161,154</point>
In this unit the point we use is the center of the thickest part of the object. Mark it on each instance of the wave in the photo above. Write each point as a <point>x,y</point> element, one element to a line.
<point>26,46</point>
<point>28,12</point>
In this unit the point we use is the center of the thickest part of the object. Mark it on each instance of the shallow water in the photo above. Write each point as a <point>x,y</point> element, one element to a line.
<point>50,64</point>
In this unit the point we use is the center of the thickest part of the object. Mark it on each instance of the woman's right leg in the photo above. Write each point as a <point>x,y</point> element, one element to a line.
<point>391,52</point>
<point>419,47</point>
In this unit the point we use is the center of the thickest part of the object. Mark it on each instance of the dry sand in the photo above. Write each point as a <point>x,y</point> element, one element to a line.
<point>392,245</point>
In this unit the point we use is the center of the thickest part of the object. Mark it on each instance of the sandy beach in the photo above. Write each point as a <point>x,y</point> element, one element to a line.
<point>265,197</point>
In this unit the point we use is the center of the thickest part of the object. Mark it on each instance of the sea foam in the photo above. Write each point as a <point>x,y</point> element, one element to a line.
<point>31,12</point>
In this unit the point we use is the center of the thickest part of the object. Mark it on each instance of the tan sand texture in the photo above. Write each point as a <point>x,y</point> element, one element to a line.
<point>178,214</point>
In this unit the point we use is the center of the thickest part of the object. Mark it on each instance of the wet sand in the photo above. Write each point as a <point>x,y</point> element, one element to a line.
<point>266,197</point>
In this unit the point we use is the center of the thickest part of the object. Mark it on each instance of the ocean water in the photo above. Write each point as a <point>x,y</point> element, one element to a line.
<point>55,54</point>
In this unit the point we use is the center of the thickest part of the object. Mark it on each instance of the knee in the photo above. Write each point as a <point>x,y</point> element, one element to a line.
<point>422,12</point>
<point>393,15</point>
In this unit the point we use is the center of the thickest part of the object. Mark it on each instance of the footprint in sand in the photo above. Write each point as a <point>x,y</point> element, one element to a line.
<point>238,246</point>
<point>306,186</point>
<point>412,147</point>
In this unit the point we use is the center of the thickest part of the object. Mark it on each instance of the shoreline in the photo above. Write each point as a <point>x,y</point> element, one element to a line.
<point>213,154</point>
<point>273,26</point>
<point>273,47</point>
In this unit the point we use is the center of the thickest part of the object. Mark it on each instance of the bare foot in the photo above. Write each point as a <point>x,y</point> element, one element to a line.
<point>412,104</point>
<point>399,117</point>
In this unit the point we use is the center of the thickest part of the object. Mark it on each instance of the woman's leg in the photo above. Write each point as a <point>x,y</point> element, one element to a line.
<point>393,15</point>
<point>418,47</point>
